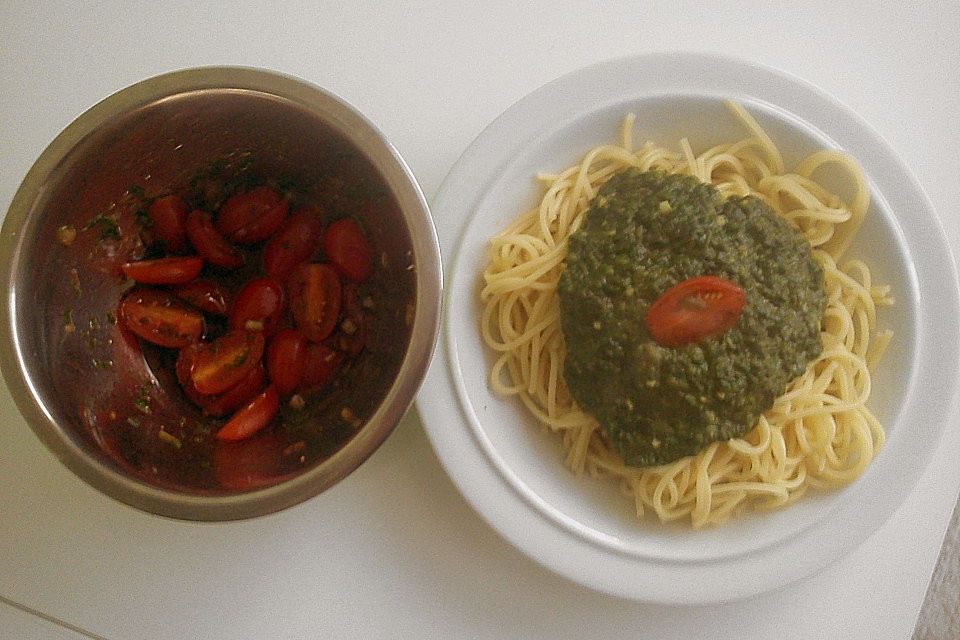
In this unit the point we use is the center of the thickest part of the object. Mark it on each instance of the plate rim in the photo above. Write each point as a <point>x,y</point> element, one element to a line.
<point>437,416</point>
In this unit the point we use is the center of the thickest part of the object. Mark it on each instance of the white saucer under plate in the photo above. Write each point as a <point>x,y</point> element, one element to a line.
<point>511,471</point>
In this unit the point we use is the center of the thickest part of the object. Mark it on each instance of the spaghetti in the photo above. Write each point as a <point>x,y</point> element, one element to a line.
<point>819,434</point>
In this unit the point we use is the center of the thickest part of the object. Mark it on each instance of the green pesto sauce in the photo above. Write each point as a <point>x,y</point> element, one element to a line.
<point>657,404</point>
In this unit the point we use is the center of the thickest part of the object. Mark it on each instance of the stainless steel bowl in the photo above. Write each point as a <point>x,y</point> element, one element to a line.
<point>72,383</point>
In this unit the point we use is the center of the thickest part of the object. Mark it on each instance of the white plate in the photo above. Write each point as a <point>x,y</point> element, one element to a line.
<point>512,472</point>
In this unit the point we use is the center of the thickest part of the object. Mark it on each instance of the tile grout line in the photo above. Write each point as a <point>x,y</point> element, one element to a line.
<point>51,619</point>
<point>941,595</point>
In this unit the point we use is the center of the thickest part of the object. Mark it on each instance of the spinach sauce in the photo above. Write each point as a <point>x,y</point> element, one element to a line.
<point>645,232</point>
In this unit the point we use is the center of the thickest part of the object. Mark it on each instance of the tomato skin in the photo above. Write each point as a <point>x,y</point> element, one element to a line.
<point>293,243</point>
<point>226,361</point>
<point>286,359</point>
<point>163,270</point>
<point>261,300</point>
<point>209,243</point>
<point>158,317</point>
<point>168,215</point>
<point>252,417</point>
<point>347,249</point>
<point>205,295</point>
<point>315,292</point>
<point>694,310</point>
<point>320,367</point>
<point>252,216</point>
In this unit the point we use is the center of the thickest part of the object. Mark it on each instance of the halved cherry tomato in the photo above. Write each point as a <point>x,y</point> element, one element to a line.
<point>226,361</point>
<point>158,317</point>
<point>209,243</point>
<point>347,249</point>
<point>205,295</point>
<point>236,396</point>
<point>164,270</point>
<point>259,302</point>
<point>252,417</point>
<point>251,463</point>
<point>320,367</point>
<point>252,216</point>
<point>286,359</point>
<point>315,300</point>
<point>694,310</point>
<point>169,218</point>
<point>293,243</point>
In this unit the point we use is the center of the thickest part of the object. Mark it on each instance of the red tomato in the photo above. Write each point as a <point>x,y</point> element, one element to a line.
<point>286,359</point>
<point>249,464</point>
<point>294,243</point>
<point>226,361</point>
<point>347,249</point>
<point>163,270</point>
<point>209,243</point>
<point>169,218</point>
<point>236,396</point>
<point>252,216</point>
<point>185,361</point>
<point>315,300</point>
<point>694,310</point>
<point>321,365</point>
<point>260,301</point>
<point>158,317</point>
<point>205,295</point>
<point>252,417</point>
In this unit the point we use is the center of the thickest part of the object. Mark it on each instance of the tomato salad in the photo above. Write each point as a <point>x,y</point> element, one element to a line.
<point>243,348</point>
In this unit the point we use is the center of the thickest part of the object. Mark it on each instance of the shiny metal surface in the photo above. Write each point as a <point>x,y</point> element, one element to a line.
<point>158,134</point>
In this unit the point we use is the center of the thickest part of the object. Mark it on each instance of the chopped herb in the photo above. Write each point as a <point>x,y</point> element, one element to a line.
<point>136,191</point>
<point>133,422</point>
<point>105,225</point>
<point>143,218</point>
<point>111,319</point>
<point>68,316</point>
<point>103,364</point>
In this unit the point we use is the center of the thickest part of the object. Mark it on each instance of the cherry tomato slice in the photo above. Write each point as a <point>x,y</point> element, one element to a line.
<point>252,216</point>
<point>249,464</point>
<point>209,243</point>
<point>205,295</point>
<point>258,306</point>
<point>694,310</point>
<point>169,218</point>
<point>226,361</point>
<point>293,243</point>
<point>163,270</point>
<point>158,317</point>
<point>315,300</point>
<point>236,396</point>
<point>320,367</point>
<point>286,359</point>
<point>252,417</point>
<point>347,249</point>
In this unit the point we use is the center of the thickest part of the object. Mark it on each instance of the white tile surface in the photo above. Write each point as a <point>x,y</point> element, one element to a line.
<point>394,551</point>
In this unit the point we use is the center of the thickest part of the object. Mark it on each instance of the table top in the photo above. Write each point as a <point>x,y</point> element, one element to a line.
<point>394,550</point>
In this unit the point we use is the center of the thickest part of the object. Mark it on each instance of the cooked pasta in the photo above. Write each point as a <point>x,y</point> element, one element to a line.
<point>819,434</point>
